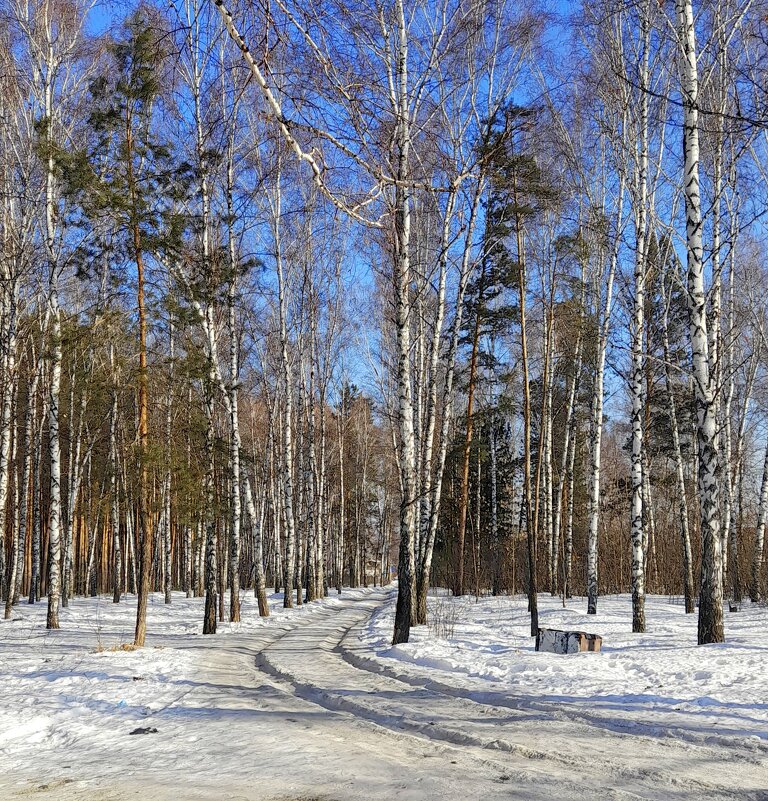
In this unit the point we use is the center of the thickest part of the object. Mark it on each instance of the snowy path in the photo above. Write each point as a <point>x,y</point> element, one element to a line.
<point>295,709</point>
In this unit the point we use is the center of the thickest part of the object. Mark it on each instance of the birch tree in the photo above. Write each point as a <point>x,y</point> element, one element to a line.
<point>711,594</point>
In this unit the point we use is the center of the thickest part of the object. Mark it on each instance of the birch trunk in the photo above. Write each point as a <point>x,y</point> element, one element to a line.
<point>74,475</point>
<point>637,519</point>
<point>404,611</point>
<point>19,552</point>
<point>597,414</point>
<point>568,544</point>
<point>552,544</point>
<point>130,579</point>
<point>730,470</point>
<point>255,521</point>
<point>427,468</point>
<point>495,549</point>
<point>34,583</point>
<point>211,561</point>
<point>10,379</point>
<point>8,314</point>
<point>541,452</point>
<point>710,628</point>
<point>311,484</point>
<point>54,513</point>
<point>186,568</point>
<point>322,507</point>
<point>737,484</point>
<point>286,462</point>
<point>759,544</point>
<point>715,321</point>
<point>234,418</point>
<point>301,477</point>
<point>54,446</point>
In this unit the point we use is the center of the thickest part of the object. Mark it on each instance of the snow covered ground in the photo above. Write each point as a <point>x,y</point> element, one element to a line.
<point>69,700</point>
<point>661,677</point>
<point>313,704</point>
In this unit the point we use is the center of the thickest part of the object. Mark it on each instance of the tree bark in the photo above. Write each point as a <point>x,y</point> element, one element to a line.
<point>404,611</point>
<point>710,627</point>
<point>458,587</point>
<point>597,411</point>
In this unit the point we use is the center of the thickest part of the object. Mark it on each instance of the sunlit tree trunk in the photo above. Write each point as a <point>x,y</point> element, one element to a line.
<point>8,373</point>
<point>495,545</point>
<point>710,628</point>
<point>235,443</point>
<point>640,202</point>
<point>54,312</point>
<point>404,611</point>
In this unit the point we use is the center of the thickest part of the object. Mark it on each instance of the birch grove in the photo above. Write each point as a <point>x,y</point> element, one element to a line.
<point>309,296</point>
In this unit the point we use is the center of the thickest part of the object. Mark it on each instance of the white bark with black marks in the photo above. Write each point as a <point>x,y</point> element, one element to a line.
<point>710,628</point>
